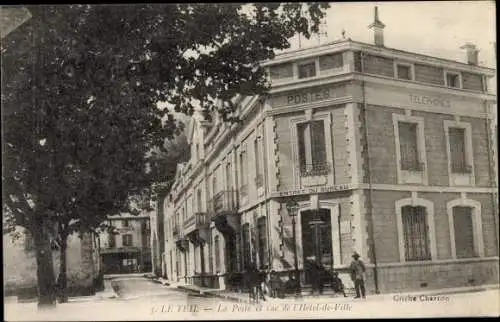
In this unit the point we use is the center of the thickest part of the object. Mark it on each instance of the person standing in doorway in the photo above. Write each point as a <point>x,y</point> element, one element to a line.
<point>357,275</point>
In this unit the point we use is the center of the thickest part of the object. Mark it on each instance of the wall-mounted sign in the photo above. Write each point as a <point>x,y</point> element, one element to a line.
<point>310,95</point>
<point>430,100</point>
<point>341,187</point>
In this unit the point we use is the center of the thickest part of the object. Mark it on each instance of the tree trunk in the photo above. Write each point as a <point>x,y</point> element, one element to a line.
<point>62,281</point>
<point>44,265</point>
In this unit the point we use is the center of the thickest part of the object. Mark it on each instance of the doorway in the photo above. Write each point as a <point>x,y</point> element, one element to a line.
<point>316,239</point>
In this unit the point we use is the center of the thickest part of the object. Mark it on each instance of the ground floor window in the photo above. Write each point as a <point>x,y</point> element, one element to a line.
<point>416,233</point>
<point>464,232</point>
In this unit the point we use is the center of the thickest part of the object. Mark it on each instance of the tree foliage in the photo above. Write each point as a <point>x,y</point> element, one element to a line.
<point>81,83</point>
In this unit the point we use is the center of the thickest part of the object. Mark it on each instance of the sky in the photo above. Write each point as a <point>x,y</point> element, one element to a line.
<point>436,28</point>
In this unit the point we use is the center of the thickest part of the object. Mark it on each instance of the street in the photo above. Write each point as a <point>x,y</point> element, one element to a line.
<point>141,299</point>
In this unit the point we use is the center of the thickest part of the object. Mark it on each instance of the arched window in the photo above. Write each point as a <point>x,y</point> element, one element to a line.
<point>416,229</point>
<point>416,233</point>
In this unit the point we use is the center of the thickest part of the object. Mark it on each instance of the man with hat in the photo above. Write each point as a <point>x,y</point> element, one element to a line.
<point>357,275</point>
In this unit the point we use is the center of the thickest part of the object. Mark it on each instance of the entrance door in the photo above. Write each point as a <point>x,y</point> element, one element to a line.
<point>316,240</point>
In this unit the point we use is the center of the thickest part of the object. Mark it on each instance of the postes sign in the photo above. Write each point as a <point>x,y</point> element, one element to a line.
<point>310,95</point>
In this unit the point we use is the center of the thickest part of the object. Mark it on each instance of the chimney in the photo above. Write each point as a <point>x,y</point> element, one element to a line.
<point>378,30</point>
<point>471,52</point>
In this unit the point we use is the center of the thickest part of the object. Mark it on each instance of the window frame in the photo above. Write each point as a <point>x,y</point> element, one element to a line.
<point>131,240</point>
<point>469,154</point>
<point>409,176</point>
<point>447,72</point>
<point>477,225</point>
<point>304,62</point>
<point>406,64</point>
<point>415,201</point>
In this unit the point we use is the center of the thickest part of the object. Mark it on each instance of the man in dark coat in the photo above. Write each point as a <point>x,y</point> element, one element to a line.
<point>357,268</point>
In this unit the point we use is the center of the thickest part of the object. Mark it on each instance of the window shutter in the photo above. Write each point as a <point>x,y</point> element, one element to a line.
<point>457,149</point>
<point>408,146</point>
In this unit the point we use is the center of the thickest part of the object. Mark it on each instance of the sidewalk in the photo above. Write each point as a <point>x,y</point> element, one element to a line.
<point>244,297</point>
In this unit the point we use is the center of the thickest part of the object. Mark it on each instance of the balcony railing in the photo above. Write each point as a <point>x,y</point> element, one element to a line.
<point>315,169</point>
<point>198,221</point>
<point>412,166</point>
<point>461,169</point>
<point>224,201</point>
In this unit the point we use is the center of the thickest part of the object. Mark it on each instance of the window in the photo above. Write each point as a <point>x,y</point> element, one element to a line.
<point>262,237</point>
<point>307,70</point>
<point>416,233</point>
<point>330,61</point>
<point>258,175</point>
<point>282,71</point>
<point>229,178</point>
<point>245,238</point>
<point>243,173</point>
<point>464,232</point>
<point>457,150</point>
<point>408,144</point>
<point>199,201</point>
<point>127,240</point>
<point>312,148</point>
<point>217,253</point>
<point>111,240</point>
<point>125,223</point>
<point>452,80</point>
<point>403,71</point>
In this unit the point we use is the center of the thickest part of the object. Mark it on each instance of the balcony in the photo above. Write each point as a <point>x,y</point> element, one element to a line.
<point>315,169</point>
<point>196,228</point>
<point>223,210</point>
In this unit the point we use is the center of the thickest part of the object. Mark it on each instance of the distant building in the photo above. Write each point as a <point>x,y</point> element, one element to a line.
<point>19,265</point>
<point>387,153</point>
<point>128,250</point>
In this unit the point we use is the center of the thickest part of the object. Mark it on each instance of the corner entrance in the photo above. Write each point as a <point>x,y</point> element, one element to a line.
<point>316,239</point>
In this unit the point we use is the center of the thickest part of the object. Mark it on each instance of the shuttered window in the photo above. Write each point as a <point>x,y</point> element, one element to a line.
<point>464,234</point>
<point>312,148</point>
<point>262,237</point>
<point>457,150</point>
<point>416,233</point>
<point>408,145</point>
<point>217,253</point>
<point>307,70</point>
<point>245,239</point>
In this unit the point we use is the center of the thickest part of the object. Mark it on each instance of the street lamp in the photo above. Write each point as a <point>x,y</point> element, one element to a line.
<point>293,209</point>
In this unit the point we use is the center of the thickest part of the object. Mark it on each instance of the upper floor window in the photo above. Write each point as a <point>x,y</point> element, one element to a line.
<point>243,168</point>
<point>331,61</point>
<point>127,240</point>
<point>198,200</point>
<point>307,69</point>
<point>452,79</point>
<point>312,148</point>
<point>111,240</point>
<point>415,233</point>
<point>125,223</point>
<point>282,71</point>
<point>457,151</point>
<point>258,170</point>
<point>408,142</point>
<point>404,71</point>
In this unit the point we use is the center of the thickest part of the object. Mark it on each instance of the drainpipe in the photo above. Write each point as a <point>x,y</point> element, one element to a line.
<point>368,168</point>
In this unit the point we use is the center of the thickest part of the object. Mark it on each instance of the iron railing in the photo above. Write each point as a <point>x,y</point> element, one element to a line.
<point>412,166</point>
<point>224,201</point>
<point>315,169</point>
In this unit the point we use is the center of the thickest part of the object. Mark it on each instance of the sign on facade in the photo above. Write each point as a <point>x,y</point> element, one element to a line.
<point>310,95</point>
<point>342,187</point>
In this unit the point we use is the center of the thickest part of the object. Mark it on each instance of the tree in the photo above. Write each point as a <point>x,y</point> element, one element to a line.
<point>80,89</point>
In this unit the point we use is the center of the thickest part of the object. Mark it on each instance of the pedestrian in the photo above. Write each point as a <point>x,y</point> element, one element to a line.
<point>357,268</point>
<point>337,284</point>
<point>275,284</point>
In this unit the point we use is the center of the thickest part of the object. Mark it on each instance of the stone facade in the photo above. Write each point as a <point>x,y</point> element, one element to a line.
<point>348,179</point>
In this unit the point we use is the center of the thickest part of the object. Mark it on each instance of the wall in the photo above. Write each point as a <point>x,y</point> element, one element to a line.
<point>20,265</point>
